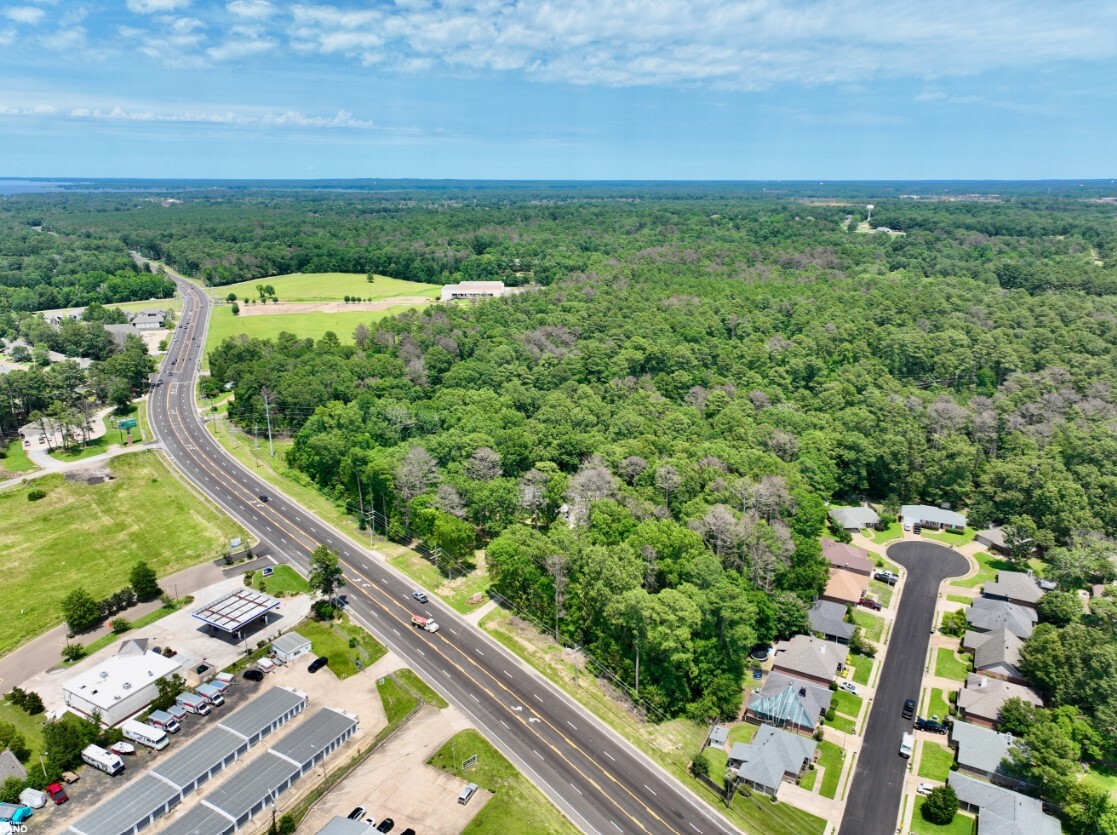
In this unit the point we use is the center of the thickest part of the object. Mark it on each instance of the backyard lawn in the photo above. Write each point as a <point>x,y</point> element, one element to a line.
<point>988,564</point>
<point>516,805</point>
<point>92,534</point>
<point>862,668</point>
<point>1102,777</point>
<point>962,824</point>
<point>30,727</point>
<point>871,625</point>
<point>744,732</point>
<point>934,761</point>
<point>948,664</point>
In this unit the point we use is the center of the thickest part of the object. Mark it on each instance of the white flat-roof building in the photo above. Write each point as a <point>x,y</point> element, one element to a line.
<point>119,687</point>
<point>472,290</point>
<point>290,646</point>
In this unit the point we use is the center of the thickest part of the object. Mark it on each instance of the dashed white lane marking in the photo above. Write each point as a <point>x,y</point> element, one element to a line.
<point>536,695</point>
<point>649,788</point>
<point>575,788</point>
<point>474,697</point>
<point>615,824</point>
<point>537,753</point>
<point>419,651</point>
<point>505,724</point>
<point>695,828</point>
<point>571,724</point>
<point>607,754</point>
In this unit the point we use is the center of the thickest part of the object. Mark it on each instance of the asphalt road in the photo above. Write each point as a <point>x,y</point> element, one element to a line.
<point>600,781</point>
<point>878,782</point>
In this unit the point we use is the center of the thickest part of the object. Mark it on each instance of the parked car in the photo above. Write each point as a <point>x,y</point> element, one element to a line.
<point>848,686</point>
<point>357,813</point>
<point>57,793</point>
<point>924,788</point>
<point>917,528</point>
<point>317,664</point>
<point>386,825</point>
<point>909,709</point>
<point>886,577</point>
<point>930,725</point>
<point>254,675</point>
<point>467,793</point>
<point>421,596</point>
<point>869,603</point>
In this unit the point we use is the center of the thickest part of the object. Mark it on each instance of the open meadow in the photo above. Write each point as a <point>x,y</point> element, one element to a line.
<point>329,287</point>
<point>92,534</point>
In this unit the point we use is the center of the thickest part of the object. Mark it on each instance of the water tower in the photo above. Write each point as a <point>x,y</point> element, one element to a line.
<point>870,207</point>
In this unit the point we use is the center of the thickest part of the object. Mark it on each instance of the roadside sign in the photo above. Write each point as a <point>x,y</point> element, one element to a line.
<point>130,423</point>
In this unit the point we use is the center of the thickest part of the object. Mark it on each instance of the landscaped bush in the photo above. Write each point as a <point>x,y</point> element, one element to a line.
<point>36,494</point>
<point>120,625</point>
<point>940,806</point>
<point>73,652</point>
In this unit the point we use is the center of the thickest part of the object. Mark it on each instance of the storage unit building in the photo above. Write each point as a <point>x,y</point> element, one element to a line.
<point>131,809</point>
<point>264,714</point>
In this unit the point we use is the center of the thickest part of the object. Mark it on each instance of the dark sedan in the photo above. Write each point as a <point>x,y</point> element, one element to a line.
<point>317,664</point>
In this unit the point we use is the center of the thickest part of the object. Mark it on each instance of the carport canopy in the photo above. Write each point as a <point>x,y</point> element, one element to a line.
<point>234,611</point>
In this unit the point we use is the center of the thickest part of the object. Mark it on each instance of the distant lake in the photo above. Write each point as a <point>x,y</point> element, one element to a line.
<point>28,186</point>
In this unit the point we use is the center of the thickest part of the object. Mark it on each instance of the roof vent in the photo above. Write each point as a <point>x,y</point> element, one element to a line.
<point>127,685</point>
<point>802,691</point>
<point>104,673</point>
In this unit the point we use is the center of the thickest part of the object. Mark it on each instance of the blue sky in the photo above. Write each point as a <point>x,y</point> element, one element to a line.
<point>538,89</point>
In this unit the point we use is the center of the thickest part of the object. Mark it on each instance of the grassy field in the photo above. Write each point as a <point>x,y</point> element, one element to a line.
<point>862,668</point>
<point>937,705</point>
<point>988,565</point>
<point>831,758</point>
<point>285,580</point>
<point>962,824</point>
<point>332,641</point>
<point>16,460</point>
<point>92,535</point>
<point>79,453</point>
<point>329,287</point>
<point>303,325</point>
<point>31,727</point>
<point>138,623</point>
<point>412,682</point>
<point>949,664</point>
<point>455,591</point>
<point>934,761</point>
<point>760,814</point>
<point>397,701</point>
<point>952,538</point>
<point>516,805</point>
<point>872,626</point>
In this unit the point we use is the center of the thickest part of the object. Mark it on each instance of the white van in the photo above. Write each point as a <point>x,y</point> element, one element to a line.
<point>144,734</point>
<point>906,746</point>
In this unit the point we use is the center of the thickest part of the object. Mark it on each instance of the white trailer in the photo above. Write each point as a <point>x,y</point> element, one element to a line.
<point>144,734</point>
<point>102,760</point>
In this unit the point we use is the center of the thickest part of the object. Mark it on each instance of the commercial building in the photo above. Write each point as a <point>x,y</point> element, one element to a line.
<point>119,687</point>
<point>290,646</point>
<point>472,290</point>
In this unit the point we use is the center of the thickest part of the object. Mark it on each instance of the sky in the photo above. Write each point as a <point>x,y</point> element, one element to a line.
<point>559,89</point>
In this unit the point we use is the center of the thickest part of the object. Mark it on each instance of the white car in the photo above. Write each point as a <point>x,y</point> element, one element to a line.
<point>848,686</point>
<point>924,788</point>
<point>907,526</point>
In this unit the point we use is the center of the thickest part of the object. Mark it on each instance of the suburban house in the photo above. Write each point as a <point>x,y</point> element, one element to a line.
<point>993,539</point>
<point>120,333</point>
<point>845,587</point>
<point>788,702</point>
<point>846,557</point>
<point>854,518</point>
<point>981,699</point>
<point>980,751</point>
<point>811,658</point>
<point>1002,811</point>
<point>988,615</point>
<point>828,620</point>
<point>932,517</point>
<point>996,654</point>
<point>772,757</point>
<point>149,320</point>
<point>1014,587</point>
<point>472,290</point>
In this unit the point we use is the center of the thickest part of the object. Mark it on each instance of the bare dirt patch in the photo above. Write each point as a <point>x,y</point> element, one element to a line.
<point>283,308</point>
<point>91,475</point>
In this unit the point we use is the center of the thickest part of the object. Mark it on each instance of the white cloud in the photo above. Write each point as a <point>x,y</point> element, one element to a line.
<point>24,14</point>
<point>68,39</point>
<point>251,9</point>
<point>7,37</point>
<point>156,6</point>
<point>240,48</point>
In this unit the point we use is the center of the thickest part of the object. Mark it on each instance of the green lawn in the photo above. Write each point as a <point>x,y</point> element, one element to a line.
<point>846,703</point>
<point>138,623</point>
<point>830,757</point>
<point>285,580</point>
<point>862,668</point>
<point>760,814</point>
<point>952,538</point>
<point>92,535</point>
<point>962,824</point>
<point>412,682</point>
<point>80,452</point>
<point>455,591</point>
<point>937,705</point>
<point>332,641</point>
<point>1102,777</point>
<point>872,626</point>
<point>516,805</point>
<point>719,763</point>
<point>31,727</point>
<point>935,761</point>
<point>882,592</point>
<point>16,460</point>
<point>949,665</point>
<point>893,531</point>
<point>743,732</point>
<point>988,565</point>
<point>397,700</point>
<point>960,598</point>
<point>332,287</point>
<point>841,723</point>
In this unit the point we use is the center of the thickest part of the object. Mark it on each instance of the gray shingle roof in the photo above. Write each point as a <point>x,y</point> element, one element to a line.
<point>811,656</point>
<point>10,766</point>
<point>770,755</point>
<point>981,749</point>
<point>935,515</point>
<point>1003,812</point>
<point>827,617</point>
<point>983,696</point>
<point>999,648</point>
<point>1015,586</point>
<point>786,699</point>
<point>854,517</point>
<point>988,615</point>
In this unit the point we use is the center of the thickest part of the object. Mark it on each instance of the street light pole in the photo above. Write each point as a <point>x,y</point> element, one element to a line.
<point>42,763</point>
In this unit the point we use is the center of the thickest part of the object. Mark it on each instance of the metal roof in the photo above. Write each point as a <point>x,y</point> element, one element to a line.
<point>343,826</point>
<point>235,610</point>
<point>261,712</point>
<point>260,779</point>
<point>314,734</point>
<point>197,757</point>
<point>137,801</point>
<point>289,642</point>
<point>201,820</point>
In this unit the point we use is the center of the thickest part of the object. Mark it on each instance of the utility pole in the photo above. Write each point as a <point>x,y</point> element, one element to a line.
<point>267,414</point>
<point>255,444</point>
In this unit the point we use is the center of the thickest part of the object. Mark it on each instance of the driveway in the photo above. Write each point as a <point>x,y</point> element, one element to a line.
<point>878,783</point>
